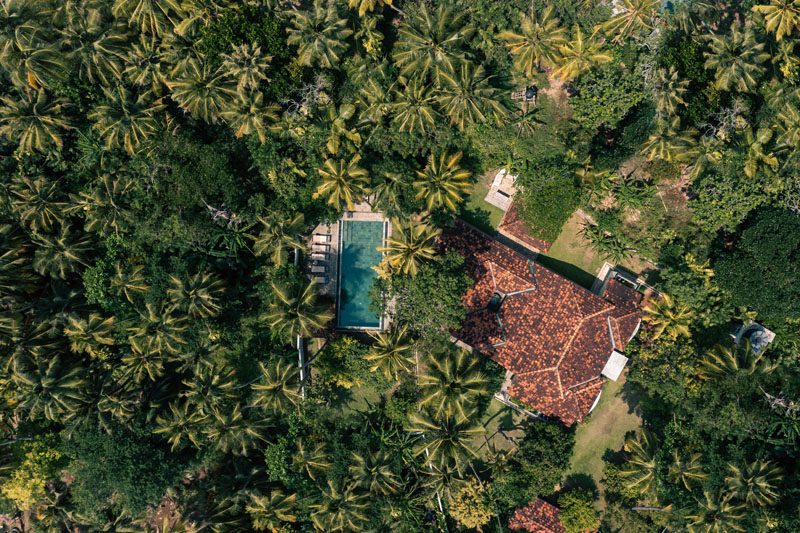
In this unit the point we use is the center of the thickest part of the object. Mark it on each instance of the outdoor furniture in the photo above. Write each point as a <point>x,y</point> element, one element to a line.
<point>319,256</point>
<point>321,248</point>
<point>321,238</point>
<point>321,280</point>
<point>318,269</point>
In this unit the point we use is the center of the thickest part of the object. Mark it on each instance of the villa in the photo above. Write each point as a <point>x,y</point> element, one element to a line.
<point>557,340</point>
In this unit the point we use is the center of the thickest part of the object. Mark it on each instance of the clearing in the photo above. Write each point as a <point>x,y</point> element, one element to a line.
<point>479,212</point>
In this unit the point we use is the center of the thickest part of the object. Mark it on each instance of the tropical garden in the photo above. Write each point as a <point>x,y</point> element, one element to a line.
<point>163,163</point>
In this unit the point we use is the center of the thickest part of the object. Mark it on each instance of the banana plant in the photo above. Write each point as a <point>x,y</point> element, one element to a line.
<point>337,120</point>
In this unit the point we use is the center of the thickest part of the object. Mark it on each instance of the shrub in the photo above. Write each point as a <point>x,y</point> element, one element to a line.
<point>40,462</point>
<point>471,505</point>
<point>577,511</point>
<point>342,364</point>
<point>549,197</point>
<point>605,96</point>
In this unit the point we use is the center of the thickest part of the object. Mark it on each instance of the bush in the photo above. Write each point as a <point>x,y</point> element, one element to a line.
<point>471,505</point>
<point>39,462</point>
<point>577,511</point>
<point>342,363</point>
<point>549,197</point>
<point>605,96</point>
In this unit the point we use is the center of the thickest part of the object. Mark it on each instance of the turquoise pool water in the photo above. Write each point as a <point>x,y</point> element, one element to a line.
<point>358,253</point>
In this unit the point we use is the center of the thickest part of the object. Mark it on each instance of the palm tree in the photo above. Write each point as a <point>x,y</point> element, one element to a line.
<point>413,107</point>
<point>755,154</point>
<point>277,392</point>
<point>92,41</point>
<point>715,513</point>
<point>736,58</point>
<point>146,65</point>
<point>86,335</point>
<point>392,352</point>
<point>209,385</point>
<point>19,24</point>
<point>538,43</point>
<point>633,17</point>
<point>668,142</point>
<point>722,361</point>
<point>640,469</point>
<point>338,128</point>
<point>268,513</point>
<point>159,330</point>
<point>231,432</point>
<point>579,55</point>
<point>467,98</point>
<point>319,34</point>
<point>781,17</point>
<point>279,236</point>
<point>755,482</point>
<point>61,255</point>
<point>688,471</point>
<point>374,473</point>
<point>431,42</point>
<point>294,311</point>
<point>311,460</point>
<point>668,92</point>
<point>248,114</point>
<point>49,388</point>
<point>446,439</point>
<point>367,5</point>
<point>34,65</point>
<point>101,206</point>
<point>125,121</point>
<point>203,92</point>
<point>452,383</point>
<point>148,16</point>
<point>443,479</point>
<point>409,245</point>
<point>247,64</point>
<point>443,184</point>
<point>339,509</point>
<point>36,124</point>
<point>142,364</point>
<point>180,426</point>
<point>129,283</point>
<point>387,193</point>
<point>343,182</point>
<point>669,317</point>
<point>197,295</point>
<point>36,204</point>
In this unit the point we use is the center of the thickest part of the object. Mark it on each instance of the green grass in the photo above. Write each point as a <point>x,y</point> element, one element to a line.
<point>603,432</point>
<point>499,417</point>
<point>478,211</point>
<point>571,256</point>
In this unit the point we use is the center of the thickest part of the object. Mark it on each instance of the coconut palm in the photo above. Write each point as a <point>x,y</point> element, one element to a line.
<point>141,364</point>
<point>668,92</point>
<point>86,335</point>
<point>320,34</point>
<point>367,5</point>
<point>781,17</point>
<point>445,440</point>
<point>667,316</point>
<point>248,114</point>
<point>580,54</point>
<point>35,123</point>
<point>35,65</point>
<point>686,472</point>
<point>20,21</point>
<point>125,121</point>
<point>755,482</point>
<point>230,432</point>
<point>715,513</point>
<point>280,236</point>
<point>294,311</point>
<point>93,41</point>
<point>632,18</point>
<point>343,183</point>
<point>209,385</point>
<point>181,425</point>
<point>246,64</point>
<point>467,97</point>
<point>443,479</point>
<point>392,352</point>
<point>338,128</point>
<point>159,330</point>
<point>268,513</point>
<point>639,471</point>
<point>538,43</point>
<point>736,59</point>
<point>413,107</point>
<point>198,295</point>
<point>409,245</point>
<point>310,459</point>
<point>668,142</point>
<point>202,91</point>
<point>63,254</point>
<point>36,203</point>
<point>443,184</point>
<point>452,383</point>
<point>722,361</point>
<point>147,16</point>
<point>756,155</point>
<point>431,41</point>
<point>339,508</point>
<point>102,206</point>
<point>373,472</point>
<point>146,65</point>
<point>129,282</point>
<point>277,391</point>
<point>48,388</point>
<point>387,193</point>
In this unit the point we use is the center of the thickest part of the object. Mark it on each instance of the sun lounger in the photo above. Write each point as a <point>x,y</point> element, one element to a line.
<point>320,248</point>
<point>319,256</point>
<point>321,280</point>
<point>318,269</point>
<point>321,238</point>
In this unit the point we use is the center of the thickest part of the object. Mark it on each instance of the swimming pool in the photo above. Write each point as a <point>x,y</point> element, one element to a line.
<point>358,243</point>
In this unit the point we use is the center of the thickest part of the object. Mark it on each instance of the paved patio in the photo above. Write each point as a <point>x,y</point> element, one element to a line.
<point>502,190</point>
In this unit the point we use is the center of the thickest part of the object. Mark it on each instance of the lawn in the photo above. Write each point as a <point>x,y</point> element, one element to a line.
<point>571,256</point>
<point>603,432</point>
<point>501,424</point>
<point>478,211</point>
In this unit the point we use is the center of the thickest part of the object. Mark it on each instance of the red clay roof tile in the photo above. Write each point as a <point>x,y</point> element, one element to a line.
<point>513,226</point>
<point>536,517</point>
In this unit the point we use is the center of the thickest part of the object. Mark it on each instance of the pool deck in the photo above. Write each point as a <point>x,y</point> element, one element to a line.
<point>362,212</point>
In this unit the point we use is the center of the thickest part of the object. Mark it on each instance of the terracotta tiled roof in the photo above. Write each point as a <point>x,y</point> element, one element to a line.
<point>536,517</point>
<point>553,335</point>
<point>513,226</point>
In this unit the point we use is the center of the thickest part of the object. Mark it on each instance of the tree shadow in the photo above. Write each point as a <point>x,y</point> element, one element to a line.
<point>631,395</point>
<point>580,481</point>
<point>568,270</point>
<point>480,218</point>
